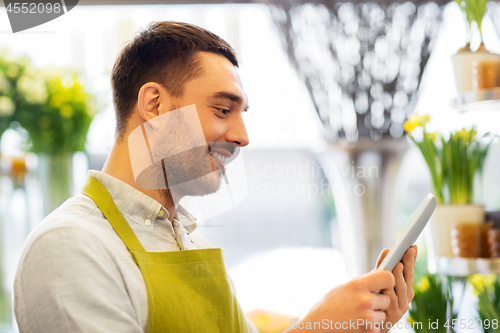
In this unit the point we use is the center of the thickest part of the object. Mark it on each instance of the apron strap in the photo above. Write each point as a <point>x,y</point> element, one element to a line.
<point>103,199</point>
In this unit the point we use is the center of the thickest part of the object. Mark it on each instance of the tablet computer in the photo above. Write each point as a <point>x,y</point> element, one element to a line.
<point>410,233</point>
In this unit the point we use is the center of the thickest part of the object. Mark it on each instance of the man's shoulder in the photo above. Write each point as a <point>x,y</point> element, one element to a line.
<point>72,264</point>
<point>77,218</point>
<point>76,212</point>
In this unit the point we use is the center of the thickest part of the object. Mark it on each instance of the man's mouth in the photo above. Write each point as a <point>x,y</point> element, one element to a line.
<point>220,157</point>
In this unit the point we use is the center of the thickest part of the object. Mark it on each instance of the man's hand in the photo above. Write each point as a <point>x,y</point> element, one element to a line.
<point>402,293</point>
<point>352,303</point>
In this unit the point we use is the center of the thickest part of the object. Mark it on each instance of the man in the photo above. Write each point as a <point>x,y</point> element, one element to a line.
<point>126,258</point>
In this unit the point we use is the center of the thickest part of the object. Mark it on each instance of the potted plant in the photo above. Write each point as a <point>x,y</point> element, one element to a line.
<point>431,307</point>
<point>477,69</point>
<point>487,290</point>
<point>454,162</point>
<point>55,110</point>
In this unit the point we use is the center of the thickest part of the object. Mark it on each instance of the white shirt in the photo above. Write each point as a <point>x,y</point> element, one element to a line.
<point>76,274</point>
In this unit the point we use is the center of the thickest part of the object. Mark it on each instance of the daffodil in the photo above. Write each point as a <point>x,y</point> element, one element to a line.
<point>464,134</point>
<point>433,136</point>
<point>489,280</point>
<point>415,121</point>
<point>446,158</point>
<point>482,283</point>
<point>473,133</point>
<point>409,126</point>
<point>423,284</point>
<point>66,111</point>
<point>431,301</point>
<point>487,290</point>
<point>49,104</point>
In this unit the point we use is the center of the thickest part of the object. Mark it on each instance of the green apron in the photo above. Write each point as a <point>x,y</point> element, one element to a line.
<point>188,291</point>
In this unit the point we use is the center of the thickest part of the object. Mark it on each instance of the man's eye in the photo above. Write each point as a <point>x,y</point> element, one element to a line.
<point>223,111</point>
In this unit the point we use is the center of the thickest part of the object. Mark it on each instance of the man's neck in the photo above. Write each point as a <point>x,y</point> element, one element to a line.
<point>118,166</point>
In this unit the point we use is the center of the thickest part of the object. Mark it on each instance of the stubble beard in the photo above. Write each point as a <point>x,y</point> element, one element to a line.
<point>192,178</point>
<point>198,187</point>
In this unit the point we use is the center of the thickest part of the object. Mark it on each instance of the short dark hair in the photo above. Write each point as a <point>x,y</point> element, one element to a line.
<point>165,53</point>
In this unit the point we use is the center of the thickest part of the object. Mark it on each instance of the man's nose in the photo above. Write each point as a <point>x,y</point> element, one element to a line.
<point>237,132</point>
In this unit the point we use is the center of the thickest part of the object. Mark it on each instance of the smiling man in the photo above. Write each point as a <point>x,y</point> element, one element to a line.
<point>124,256</point>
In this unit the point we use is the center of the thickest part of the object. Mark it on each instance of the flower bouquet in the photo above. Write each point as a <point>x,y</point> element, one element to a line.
<point>455,162</point>
<point>55,110</point>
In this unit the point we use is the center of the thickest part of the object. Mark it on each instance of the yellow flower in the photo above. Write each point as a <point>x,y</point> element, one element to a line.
<point>66,111</point>
<point>473,133</point>
<point>482,283</point>
<point>489,280</point>
<point>409,126</point>
<point>433,136</point>
<point>423,284</point>
<point>415,121</point>
<point>56,100</point>
<point>464,134</point>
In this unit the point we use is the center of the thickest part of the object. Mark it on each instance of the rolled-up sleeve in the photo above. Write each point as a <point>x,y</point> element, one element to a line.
<point>68,282</point>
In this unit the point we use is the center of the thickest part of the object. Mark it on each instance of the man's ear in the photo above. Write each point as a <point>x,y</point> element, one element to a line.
<point>151,96</point>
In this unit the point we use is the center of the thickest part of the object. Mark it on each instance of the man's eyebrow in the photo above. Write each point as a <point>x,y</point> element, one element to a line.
<point>228,95</point>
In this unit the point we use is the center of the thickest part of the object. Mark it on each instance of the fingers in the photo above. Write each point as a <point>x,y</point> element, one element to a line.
<point>382,256</point>
<point>409,261</point>
<point>378,280</point>
<point>380,302</point>
<point>377,317</point>
<point>394,305</point>
<point>401,286</point>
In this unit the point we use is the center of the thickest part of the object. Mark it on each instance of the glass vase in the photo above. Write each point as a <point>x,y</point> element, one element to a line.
<point>55,173</point>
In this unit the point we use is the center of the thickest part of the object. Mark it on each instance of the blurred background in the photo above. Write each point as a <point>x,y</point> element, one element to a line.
<point>332,176</point>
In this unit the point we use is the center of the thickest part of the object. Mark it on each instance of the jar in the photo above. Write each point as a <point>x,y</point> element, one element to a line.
<point>494,242</point>
<point>470,240</point>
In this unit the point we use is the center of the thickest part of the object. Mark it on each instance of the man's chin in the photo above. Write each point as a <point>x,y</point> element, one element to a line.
<point>202,186</point>
<point>211,184</point>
